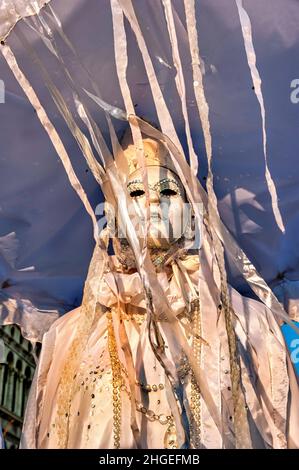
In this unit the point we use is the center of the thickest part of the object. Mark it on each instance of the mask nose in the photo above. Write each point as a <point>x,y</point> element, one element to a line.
<point>153,196</point>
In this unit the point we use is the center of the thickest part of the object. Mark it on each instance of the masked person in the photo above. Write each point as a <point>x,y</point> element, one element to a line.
<point>128,376</point>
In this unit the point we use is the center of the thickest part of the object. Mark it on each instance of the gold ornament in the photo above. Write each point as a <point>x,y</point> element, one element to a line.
<point>155,154</point>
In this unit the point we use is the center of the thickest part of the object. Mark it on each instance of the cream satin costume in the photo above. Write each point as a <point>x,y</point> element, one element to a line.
<point>110,375</point>
<point>271,398</point>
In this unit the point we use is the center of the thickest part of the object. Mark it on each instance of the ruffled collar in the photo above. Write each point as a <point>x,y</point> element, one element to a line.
<point>126,288</point>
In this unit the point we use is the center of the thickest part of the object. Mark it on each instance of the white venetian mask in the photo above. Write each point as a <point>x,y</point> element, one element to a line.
<point>168,208</point>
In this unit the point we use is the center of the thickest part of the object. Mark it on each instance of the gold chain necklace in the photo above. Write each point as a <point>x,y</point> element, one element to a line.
<point>118,385</point>
<point>195,407</point>
<point>117,381</point>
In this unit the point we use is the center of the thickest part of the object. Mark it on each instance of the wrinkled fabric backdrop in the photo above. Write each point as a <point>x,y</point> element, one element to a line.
<point>46,236</point>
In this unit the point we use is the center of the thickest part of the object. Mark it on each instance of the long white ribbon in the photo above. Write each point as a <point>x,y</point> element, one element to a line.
<point>51,131</point>
<point>257,85</point>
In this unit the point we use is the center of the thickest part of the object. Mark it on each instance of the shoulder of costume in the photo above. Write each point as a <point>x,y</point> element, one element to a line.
<point>68,319</point>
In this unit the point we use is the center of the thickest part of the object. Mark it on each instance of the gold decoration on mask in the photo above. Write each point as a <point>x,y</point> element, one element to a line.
<point>155,154</point>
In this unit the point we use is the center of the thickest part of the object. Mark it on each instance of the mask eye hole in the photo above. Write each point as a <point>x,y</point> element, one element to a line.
<point>137,193</point>
<point>136,189</point>
<point>169,188</point>
<point>168,192</point>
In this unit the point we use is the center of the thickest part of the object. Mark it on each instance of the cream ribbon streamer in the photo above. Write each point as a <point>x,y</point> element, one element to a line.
<point>165,120</point>
<point>121,60</point>
<point>243,439</point>
<point>51,131</point>
<point>11,11</point>
<point>179,80</point>
<point>257,85</point>
<point>239,258</point>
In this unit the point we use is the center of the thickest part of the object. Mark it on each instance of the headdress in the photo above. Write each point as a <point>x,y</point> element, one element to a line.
<point>155,153</point>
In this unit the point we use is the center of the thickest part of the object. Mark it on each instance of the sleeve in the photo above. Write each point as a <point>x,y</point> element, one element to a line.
<point>35,400</point>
